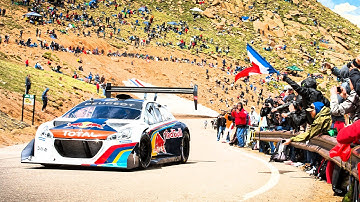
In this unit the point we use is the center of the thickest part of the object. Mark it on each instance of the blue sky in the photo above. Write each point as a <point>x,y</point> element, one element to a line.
<point>349,9</point>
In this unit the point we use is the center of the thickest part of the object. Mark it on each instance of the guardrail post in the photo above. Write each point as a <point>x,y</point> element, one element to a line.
<point>107,90</point>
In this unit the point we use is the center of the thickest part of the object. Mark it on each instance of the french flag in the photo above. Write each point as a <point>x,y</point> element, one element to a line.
<point>259,65</point>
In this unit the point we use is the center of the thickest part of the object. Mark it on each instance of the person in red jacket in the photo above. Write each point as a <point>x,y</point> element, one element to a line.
<point>240,116</point>
<point>350,134</point>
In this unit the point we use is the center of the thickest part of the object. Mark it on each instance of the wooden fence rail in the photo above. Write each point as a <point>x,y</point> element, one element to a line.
<point>319,144</point>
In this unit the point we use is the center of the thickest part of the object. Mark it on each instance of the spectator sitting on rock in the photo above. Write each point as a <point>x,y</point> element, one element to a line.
<point>38,66</point>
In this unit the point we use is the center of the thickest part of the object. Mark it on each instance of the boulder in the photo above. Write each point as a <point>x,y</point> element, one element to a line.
<point>221,25</point>
<point>288,16</point>
<point>230,7</point>
<point>215,3</point>
<point>345,31</point>
<point>302,19</point>
<point>294,13</point>
<point>342,43</point>
<point>338,35</point>
<point>208,13</point>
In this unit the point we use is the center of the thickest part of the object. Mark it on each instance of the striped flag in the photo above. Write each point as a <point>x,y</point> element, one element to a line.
<point>259,65</point>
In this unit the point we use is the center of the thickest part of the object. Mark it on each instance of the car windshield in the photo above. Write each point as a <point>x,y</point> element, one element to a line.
<point>103,112</point>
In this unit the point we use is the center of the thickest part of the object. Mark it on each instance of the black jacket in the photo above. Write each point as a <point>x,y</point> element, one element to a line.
<point>27,82</point>
<point>297,118</point>
<point>308,93</point>
<point>221,121</point>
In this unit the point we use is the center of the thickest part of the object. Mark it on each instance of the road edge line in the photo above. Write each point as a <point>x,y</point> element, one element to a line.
<point>273,181</point>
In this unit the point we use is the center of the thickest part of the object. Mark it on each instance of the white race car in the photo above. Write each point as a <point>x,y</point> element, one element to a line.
<point>113,132</point>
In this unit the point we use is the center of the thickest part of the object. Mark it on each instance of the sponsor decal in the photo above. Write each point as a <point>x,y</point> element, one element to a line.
<point>111,103</point>
<point>79,134</point>
<point>159,144</point>
<point>125,141</point>
<point>42,138</point>
<point>85,125</point>
<point>173,134</point>
<point>44,149</point>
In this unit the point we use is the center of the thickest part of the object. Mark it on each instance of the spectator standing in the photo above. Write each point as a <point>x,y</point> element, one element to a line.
<point>27,84</point>
<point>26,63</point>
<point>90,77</point>
<point>351,105</point>
<point>97,87</point>
<point>240,116</point>
<point>229,127</point>
<point>221,123</point>
<point>103,86</point>
<point>254,117</point>
<point>44,98</point>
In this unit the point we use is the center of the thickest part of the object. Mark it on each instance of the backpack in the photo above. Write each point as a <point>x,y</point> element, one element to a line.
<point>281,152</point>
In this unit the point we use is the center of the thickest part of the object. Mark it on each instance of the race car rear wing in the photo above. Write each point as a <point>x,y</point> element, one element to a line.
<point>168,90</point>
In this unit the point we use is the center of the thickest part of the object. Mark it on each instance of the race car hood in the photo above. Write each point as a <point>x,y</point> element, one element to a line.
<point>84,129</point>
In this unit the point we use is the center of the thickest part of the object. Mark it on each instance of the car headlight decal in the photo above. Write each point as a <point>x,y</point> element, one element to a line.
<point>46,133</point>
<point>121,135</point>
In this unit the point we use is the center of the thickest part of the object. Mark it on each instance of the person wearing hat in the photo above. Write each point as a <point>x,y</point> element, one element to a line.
<point>321,124</point>
<point>351,104</point>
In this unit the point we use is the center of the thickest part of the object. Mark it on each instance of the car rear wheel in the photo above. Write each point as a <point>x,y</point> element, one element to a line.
<point>185,147</point>
<point>145,151</point>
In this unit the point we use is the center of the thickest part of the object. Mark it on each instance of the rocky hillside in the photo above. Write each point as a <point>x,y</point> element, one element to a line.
<point>301,33</point>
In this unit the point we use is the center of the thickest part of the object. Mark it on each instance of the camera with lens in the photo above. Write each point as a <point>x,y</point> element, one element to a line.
<point>354,63</point>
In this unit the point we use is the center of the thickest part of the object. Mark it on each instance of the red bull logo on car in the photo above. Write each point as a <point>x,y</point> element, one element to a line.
<point>85,125</point>
<point>173,134</point>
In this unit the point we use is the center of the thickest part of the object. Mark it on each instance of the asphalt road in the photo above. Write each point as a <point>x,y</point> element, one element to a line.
<point>215,172</point>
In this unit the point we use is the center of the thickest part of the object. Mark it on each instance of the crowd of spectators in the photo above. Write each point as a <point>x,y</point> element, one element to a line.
<point>303,110</point>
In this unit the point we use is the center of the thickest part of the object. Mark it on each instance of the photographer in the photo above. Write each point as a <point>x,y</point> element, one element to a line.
<point>308,92</point>
<point>266,114</point>
<point>338,95</point>
<point>296,114</point>
<point>343,73</point>
<point>288,99</point>
<point>351,104</point>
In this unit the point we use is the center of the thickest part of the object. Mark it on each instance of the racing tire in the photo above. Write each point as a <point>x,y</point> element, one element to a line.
<point>185,147</point>
<point>145,150</point>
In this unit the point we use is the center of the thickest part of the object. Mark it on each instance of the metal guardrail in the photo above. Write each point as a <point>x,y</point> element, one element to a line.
<point>319,144</point>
